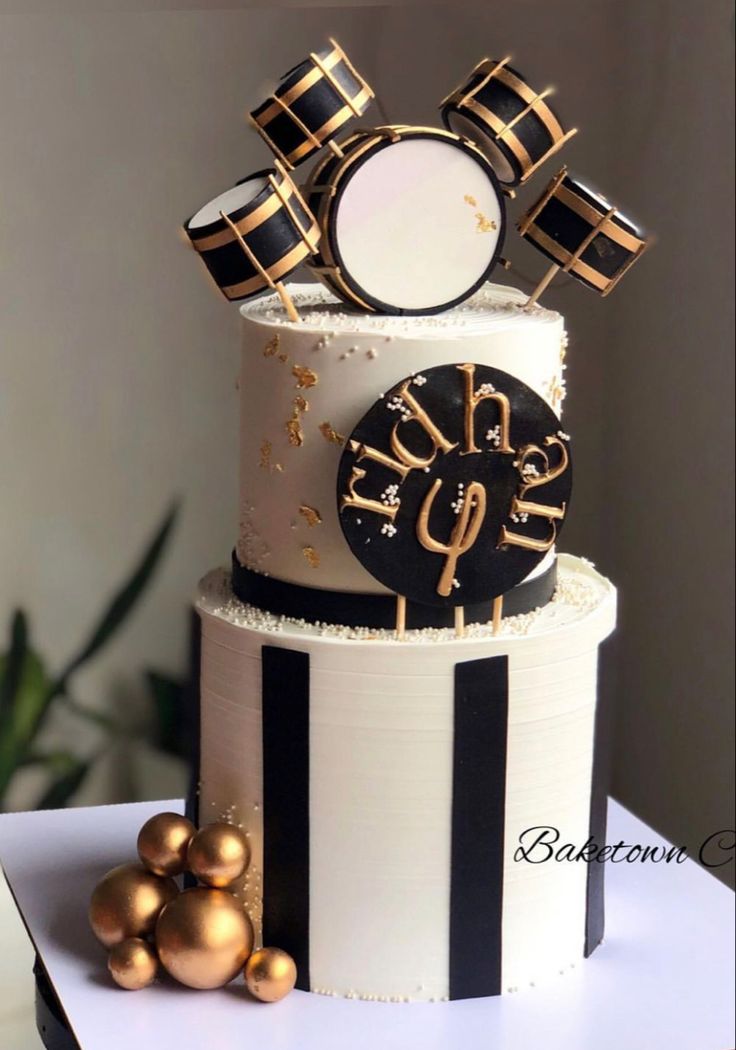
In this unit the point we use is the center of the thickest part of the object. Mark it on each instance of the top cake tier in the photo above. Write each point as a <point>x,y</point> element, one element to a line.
<point>304,386</point>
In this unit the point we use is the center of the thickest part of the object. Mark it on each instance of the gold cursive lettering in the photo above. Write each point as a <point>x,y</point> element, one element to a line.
<point>463,535</point>
<point>420,416</point>
<point>472,399</point>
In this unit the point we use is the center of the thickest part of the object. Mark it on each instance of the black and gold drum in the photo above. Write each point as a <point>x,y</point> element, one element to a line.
<point>512,123</point>
<point>254,235</point>
<point>412,219</point>
<point>312,104</point>
<point>582,233</point>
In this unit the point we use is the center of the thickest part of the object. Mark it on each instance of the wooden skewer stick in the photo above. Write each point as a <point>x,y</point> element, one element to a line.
<point>288,302</point>
<point>276,285</point>
<point>546,280</point>
<point>497,613</point>
<point>400,615</point>
<point>459,621</point>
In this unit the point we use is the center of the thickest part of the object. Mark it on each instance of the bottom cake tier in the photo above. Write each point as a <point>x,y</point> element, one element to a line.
<point>386,787</point>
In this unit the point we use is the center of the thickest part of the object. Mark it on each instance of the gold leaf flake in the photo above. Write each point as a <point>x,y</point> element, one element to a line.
<point>265,460</point>
<point>329,433</point>
<point>485,225</point>
<point>272,346</point>
<point>312,557</point>
<point>283,358</point>
<point>311,515</point>
<point>305,377</point>
<point>470,200</point>
<point>294,430</point>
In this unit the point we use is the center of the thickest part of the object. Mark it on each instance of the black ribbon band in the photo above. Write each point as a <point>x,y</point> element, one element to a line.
<point>351,609</point>
<point>478,822</point>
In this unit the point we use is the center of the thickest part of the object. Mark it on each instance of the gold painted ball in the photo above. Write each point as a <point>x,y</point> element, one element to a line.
<point>204,937</point>
<point>218,855</point>
<point>163,842</point>
<point>270,974</point>
<point>126,903</point>
<point>133,964</point>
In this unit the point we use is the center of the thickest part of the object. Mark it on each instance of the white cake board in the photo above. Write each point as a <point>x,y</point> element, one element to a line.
<point>663,978</point>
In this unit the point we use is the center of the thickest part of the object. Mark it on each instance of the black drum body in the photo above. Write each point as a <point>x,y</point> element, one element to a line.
<point>582,233</point>
<point>513,124</point>
<point>312,104</point>
<point>412,219</point>
<point>253,236</point>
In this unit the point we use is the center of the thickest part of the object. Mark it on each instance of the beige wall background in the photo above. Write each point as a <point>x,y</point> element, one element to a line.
<point>118,359</point>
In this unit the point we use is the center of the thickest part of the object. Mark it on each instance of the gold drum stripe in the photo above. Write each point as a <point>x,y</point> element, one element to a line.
<point>592,215</point>
<point>277,270</point>
<point>563,257</point>
<point>247,223</point>
<point>298,89</point>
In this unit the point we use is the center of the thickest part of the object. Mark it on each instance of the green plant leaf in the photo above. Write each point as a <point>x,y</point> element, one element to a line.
<point>61,789</point>
<point>25,708</point>
<point>89,714</point>
<point>124,601</point>
<point>168,699</point>
<point>11,665</point>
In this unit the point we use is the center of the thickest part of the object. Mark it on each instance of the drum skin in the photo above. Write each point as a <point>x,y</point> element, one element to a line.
<point>412,238</point>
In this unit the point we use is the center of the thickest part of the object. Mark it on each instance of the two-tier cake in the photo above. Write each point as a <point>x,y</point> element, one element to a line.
<point>399,671</point>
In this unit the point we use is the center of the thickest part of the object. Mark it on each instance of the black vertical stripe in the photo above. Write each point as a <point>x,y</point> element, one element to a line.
<point>285,697</point>
<point>192,718</point>
<point>594,891</point>
<point>478,802</point>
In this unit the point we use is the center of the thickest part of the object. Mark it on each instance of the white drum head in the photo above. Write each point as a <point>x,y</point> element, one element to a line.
<point>417,225</point>
<point>228,202</point>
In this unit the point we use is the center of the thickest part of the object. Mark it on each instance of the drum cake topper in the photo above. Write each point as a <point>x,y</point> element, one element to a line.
<point>454,485</point>
<point>313,102</point>
<point>514,125</point>
<point>582,234</point>
<point>412,219</point>
<point>254,235</point>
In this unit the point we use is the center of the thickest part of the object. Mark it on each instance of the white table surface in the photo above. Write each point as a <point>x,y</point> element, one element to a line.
<point>664,977</point>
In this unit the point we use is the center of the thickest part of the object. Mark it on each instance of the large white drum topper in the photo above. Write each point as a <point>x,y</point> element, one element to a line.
<point>412,219</point>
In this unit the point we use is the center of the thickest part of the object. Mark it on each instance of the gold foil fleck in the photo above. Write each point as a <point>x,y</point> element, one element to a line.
<point>294,431</point>
<point>283,358</point>
<point>265,458</point>
<point>485,225</point>
<point>272,346</point>
<point>470,200</point>
<point>311,515</point>
<point>329,433</point>
<point>305,377</point>
<point>312,557</point>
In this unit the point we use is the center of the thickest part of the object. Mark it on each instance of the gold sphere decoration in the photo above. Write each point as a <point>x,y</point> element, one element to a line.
<point>127,902</point>
<point>204,937</point>
<point>133,963</point>
<point>270,974</point>
<point>218,855</point>
<point>163,842</point>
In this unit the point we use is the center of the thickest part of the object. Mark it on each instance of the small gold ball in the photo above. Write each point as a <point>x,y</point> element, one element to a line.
<point>163,842</point>
<point>218,855</point>
<point>126,903</point>
<point>204,937</point>
<point>270,974</point>
<point>133,964</point>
